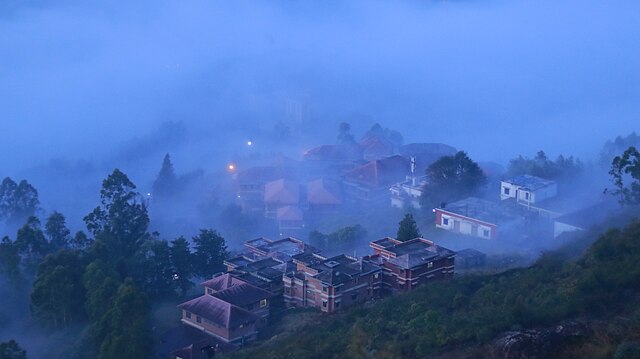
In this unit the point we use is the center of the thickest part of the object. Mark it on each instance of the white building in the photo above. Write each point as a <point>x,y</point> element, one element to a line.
<point>527,189</point>
<point>408,192</point>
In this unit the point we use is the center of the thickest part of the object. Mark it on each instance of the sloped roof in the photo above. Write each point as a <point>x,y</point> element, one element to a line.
<point>260,175</point>
<point>281,191</point>
<point>377,145</point>
<point>289,213</point>
<point>417,149</point>
<point>222,282</point>
<point>379,173</point>
<point>322,192</point>
<point>219,311</point>
<point>242,295</point>
<point>334,153</point>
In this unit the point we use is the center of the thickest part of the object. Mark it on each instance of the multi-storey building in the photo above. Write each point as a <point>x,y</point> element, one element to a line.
<point>409,264</point>
<point>330,283</point>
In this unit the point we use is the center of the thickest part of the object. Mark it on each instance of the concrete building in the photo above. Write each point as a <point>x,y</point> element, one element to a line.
<point>409,264</point>
<point>331,283</point>
<point>527,189</point>
<point>475,217</point>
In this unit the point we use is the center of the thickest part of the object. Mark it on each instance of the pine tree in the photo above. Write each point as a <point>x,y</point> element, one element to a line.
<point>408,229</point>
<point>166,182</point>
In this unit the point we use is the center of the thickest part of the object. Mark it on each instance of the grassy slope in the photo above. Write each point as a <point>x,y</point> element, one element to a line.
<point>463,315</point>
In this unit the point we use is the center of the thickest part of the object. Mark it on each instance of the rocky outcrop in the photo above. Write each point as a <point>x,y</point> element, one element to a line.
<point>538,344</point>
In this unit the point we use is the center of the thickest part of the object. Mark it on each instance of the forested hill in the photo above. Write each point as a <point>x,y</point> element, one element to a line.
<point>559,307</point>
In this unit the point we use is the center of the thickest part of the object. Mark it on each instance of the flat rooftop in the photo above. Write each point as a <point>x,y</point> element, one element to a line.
<point>529,182</point>
<point>481,209</point>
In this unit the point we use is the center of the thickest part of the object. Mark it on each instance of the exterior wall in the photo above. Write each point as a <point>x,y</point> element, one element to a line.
<point>313,293</point>
<point>397,279</point>
<point>559,228</point>
<point>539,195</point>
<point>248,331</point>
<point>508,190</point>
<point>465,225</point>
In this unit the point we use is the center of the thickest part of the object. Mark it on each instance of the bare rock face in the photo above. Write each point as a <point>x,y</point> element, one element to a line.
<point>538,344</point>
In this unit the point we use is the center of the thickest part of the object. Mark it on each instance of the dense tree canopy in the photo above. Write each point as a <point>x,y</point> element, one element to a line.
<point>210,253</point>
<point>121,218</point>
<point>625,170</point>
<point>339,240</point>
<point>407,228</point>
<point>11,350</point>
<point>58,295</point>
<point>56,229</point>
<point>17,201</point>
<point>344,134</point>
<point>451,178</point>
<point>541,166</point>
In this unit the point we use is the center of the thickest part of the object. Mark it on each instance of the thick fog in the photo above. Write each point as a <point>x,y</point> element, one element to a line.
<point>87,86</point>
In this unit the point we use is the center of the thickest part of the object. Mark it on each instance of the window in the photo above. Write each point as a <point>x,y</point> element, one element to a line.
<point>526,195</point>
<point>445,221</point>
<point>198,319</point>
<point>376,276</point>
<point>188,315</point>
<point>430,265</point>
<point>263,303</point>
<point>485,232</point>
<point>506,191</point>
<point>209,291</point>
<point>324,303</point>
<point>324,289</point>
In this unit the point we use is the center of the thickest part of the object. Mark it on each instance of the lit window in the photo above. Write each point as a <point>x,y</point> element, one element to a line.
<point>263,303</point>
<point>430,265</point>
<point>376,276</point>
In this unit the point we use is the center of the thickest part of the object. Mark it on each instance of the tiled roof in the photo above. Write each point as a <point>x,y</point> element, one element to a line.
<point>219,311</point>
<point>334,153</point>
<point>379,173</point>
<point>282,191</point>
<point>321,192</point>
<point>289,213</point>
<point>222,282</point>
<point>242,295</point>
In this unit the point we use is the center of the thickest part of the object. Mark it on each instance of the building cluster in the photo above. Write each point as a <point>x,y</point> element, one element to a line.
<point>272,275</point>
<point>521,198</point>
<point>329,177</point>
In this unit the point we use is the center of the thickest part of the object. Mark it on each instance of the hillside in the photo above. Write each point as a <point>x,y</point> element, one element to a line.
<point>593,295</point>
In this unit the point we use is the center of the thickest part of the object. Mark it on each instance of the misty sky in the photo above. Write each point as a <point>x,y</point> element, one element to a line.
<point>80,79</point>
